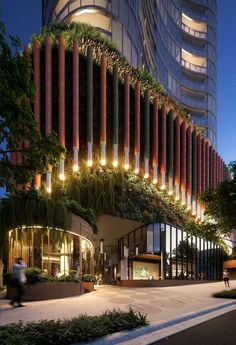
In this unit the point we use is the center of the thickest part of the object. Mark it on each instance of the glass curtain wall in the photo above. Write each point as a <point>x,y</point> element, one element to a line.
<point>182,255</point>
<point>54,251</point>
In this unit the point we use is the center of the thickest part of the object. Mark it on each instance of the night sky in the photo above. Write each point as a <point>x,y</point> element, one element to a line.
<point>23,18</point>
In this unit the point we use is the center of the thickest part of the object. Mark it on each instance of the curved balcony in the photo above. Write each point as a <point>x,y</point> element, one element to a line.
<point>193,85</point>
<point>194,33</point>
<point>195,103</point>
<point>193,50</point>
<point>194,68</point>
<point>194,15</point>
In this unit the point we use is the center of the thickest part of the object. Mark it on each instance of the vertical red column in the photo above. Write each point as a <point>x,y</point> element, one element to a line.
<point>75,105</point>
<point>214,168</point>
<point>207,165</point>
<point>36,56</point>
<point>48,100</point>
<point>199,160</point>
<point>61,90</point>
<point>61,100</point>
<point>189,166</point>
<point>48,85</point>
<point>103,102</point>
<point>199,170</point>
<point>177,157</point>
<point>203,167</point>
<point>163,146</point>
<point>127,121</point>
<point>183,162</point>
<point>221,170</point>
<point>155,140</point>
<point>137,126</point>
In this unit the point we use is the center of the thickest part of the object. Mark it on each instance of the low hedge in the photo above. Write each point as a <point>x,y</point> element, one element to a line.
<point>69,331</point>
<point>225,294</point>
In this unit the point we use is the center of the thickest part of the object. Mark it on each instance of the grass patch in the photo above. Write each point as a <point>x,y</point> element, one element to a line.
<point>225,294</point>
<point>69,331</point>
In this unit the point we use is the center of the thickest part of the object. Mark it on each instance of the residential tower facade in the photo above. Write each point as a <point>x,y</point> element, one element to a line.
<point>175,40</point>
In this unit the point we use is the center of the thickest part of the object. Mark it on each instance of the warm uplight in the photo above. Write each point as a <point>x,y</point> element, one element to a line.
<point>115,164</point>
<point>136,171</point>
<point>177,197</point>
<point>154,181</point>
<point>126,166</point>
<point>103,162</point>
<point>90,163</point>
<point>48,190</point>
<point>170,192</point>
<point>75,168</point>
<point>163,186</point>
<point>62,177</point>
<point>146,175</point>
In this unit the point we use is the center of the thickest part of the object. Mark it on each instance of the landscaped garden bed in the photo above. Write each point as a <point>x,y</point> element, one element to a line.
<point>70,331</point>
<point>226,294</point>
<point>41,286</point>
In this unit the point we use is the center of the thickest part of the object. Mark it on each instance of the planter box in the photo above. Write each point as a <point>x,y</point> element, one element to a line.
<point>44,291</point>
<point>88,286</point>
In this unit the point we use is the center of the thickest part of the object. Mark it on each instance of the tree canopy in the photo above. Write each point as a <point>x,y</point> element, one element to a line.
<point>221,204</point>
<point>19,131</point>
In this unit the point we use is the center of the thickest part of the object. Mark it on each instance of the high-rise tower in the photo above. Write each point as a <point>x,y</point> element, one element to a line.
<point>173,39</point>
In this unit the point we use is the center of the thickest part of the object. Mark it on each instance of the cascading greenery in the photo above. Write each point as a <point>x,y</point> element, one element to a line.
<point>31,208</point>
<point>120,193</point>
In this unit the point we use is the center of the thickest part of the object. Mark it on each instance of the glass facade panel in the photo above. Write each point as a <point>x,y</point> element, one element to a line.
<point>53,251</point>
<point>168,252</point>
<point>156,243</point>
<point>176,253</point>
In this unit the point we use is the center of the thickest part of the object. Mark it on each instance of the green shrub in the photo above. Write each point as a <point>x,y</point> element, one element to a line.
<point>33,275</point>
<point>65,332</point>
<point>225,294</point>
<point>89,278</point>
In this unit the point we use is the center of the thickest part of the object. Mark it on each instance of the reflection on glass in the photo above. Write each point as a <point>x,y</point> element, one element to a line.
<point>53,251</point>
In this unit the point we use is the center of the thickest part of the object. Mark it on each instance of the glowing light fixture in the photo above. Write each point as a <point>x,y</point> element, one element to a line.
<point>75,159</point>
<point>183,197</point>
<point>170,191</point>
<point>62,170</point>
<point>115,155</point>
<point>189,202</point>
<point>136,163</point>
<point>177,192</point>
<point>48,182</point>
<point>126,158</point>
<point>146,168</point>
<point>194,208</point>
<point>163,180</point>
<point>90,154</point>
<point>103,154</point>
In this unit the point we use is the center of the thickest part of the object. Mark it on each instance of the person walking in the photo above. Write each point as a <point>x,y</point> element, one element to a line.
<point>18,280</point>
<point>226,277</point>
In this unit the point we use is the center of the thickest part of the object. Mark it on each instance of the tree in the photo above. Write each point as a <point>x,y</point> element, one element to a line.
<point>18,128</point>
<point>221,203</point>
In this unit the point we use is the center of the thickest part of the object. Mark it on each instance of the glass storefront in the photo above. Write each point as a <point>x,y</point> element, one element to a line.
<point>54,251</point>
<point>163,251</point>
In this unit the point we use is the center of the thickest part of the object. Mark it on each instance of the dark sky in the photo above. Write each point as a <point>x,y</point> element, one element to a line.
<point>23,18</point>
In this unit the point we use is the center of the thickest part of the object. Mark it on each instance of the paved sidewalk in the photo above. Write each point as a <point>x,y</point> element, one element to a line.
<point>160,304</point>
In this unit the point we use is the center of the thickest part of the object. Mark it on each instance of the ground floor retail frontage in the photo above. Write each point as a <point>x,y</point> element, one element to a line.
<point>160,251</point>
<point>120,251</point>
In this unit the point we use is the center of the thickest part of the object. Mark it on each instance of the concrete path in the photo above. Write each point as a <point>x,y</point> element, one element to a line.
<point>160,304</point>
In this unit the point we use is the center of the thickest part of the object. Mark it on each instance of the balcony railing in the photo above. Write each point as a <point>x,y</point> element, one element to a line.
<point>193,67</point>
<point>194,50</point>
<point>192,32</point>
<point>195,103</point>
<point>197,86</point>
